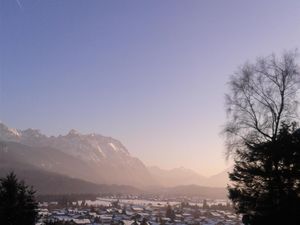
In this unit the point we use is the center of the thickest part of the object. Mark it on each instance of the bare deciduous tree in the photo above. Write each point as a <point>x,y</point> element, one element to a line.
<point>262,96</point>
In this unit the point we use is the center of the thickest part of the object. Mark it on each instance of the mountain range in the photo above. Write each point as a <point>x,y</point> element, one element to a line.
<point>180,176</point>
<point>91,158</point>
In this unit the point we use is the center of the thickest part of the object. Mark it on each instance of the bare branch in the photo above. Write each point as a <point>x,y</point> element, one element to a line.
<point>262,96</point>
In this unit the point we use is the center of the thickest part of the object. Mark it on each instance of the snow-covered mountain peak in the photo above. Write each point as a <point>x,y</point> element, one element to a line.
<point>105,158</point>
<point>33,133</point>
<point>73,132</point>
<point>89,147</point>
<point>10,134</point>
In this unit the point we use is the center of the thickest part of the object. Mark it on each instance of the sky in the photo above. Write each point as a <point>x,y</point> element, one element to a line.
<point>152,74</point>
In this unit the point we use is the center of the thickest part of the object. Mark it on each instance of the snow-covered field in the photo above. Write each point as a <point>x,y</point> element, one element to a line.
<point>144,202</point>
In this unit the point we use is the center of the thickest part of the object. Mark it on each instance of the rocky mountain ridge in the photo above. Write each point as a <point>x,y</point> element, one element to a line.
<point>93,158</point>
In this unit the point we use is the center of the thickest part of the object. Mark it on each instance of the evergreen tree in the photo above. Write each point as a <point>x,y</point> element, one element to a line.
<point>170,213</point>
<point>266,180</point>
<point>205,205</point>
<point>144,222</point>
<point>83,204</point>
<point>17,202</point>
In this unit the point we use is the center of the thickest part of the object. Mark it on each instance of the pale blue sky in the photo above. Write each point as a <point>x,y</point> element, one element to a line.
<point>150,73</point>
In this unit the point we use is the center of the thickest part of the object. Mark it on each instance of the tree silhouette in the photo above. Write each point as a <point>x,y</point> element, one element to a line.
<point>262,138</point>
<point>144,222</point>
<point>17,202</point>
<point>266,179</point>
<point>170,212</point>
<point>262,96</point>
<point>205,205</point>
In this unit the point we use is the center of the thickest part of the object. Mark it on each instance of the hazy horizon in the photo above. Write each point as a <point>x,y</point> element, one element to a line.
<point>150,74</point>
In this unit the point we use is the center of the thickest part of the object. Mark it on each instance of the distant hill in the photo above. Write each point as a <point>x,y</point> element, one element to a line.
<point>177,176</point>
<point>47,159</point>
<point>45,182</point>
<point>191,190</point>
<point>55,184</point>
<point>183,176</point>
<point>220,179</point>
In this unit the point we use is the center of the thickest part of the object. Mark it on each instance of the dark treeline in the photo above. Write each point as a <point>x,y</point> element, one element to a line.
<point>67,197</point>
<point>73,197</point>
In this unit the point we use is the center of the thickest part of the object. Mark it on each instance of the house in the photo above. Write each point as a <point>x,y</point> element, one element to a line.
<point>137,209</point>
<point>106,219</point>
<point>81,221</point>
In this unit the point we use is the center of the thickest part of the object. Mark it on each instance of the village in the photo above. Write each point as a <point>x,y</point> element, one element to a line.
<point>136,211</point>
